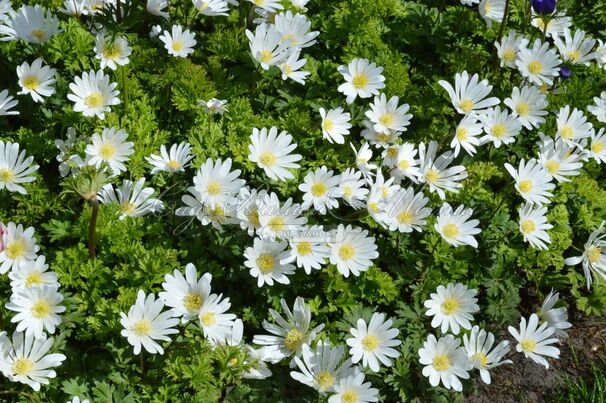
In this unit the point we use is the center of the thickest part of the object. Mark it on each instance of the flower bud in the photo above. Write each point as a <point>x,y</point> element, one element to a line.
<point>565,73</point>
<point>2,234</point>
<point>544,7</point>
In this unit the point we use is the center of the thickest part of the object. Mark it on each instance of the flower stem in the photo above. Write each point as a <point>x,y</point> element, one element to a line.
<point>504,21</point>
<point>124,87</point>
<point>92,228</point>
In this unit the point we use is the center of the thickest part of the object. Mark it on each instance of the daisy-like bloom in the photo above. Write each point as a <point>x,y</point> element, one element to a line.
<point>26,360</point>
<point>407,211</point>
<point>198,206</point>
<point>31,24</point>
<point>133,199</point>
<point>15,169</point>
<point>74,8</point>
<point>469,93</point>
<point>478,346</point>
<point>214,106</point>
<point>406,165</point>
<point>97,6</point>
<point>559,159</point>
<point>215,323</point>
<point>556,24</point>
<point>288,335</point>
<point>38,309</point>
<point>387,115</point>
<point>445,361</point>
<point>93,94</point>
<point>390,156</point>
<point>466,135</point>
<point>507,49</point>
<point>217,183</point>
<point>65,147</point>
<point>272,152</point>
<point>19,247</point>
<point>362,79</point>
<point>452,307</point>
<point>492,10</point>
<point>373,343</point>
<point>295,29</point>
<point>290,68</point>
<point>3,231</point>
<point>593,258</point>
<point>265,261</point>
<point>157,7</point>
<point>321,189</point>
<point>538,64</point>
<point>573,126</point>
<point>500,127</point>
<point>110,148</point>
<point>299,4</point>
<point>6,103</point>
<point>279,220</point>
<point>178,43</point>
<point>185,295</point>
<point>601,51</point>
<point>534,340</point>
<point>533,182</point>
<point>268,5</point>
<point>146,323</point>
<point>534,226</point>
<point>112,53</point>
<point>363,157</point>
<point>353,389</point>
<point>353,188</point>
<point>211,7</point>
<point>258,368</point>
<point>323,368</point>
<point>379,139</point>
<point>597,150</point>
<point>575,49</point>
<point>308,248</point>
<point>6,10</point>
<point>248,202</point>
<point>267,46</point>
<point>556,318</point>
<point>32,273</point>
<point>336,124</point>
<point>175,160</point>
<point>352,250</point>
<point>528,105</point>
<point>598,109</point>
<point>436,173</point>
<point>36,80</point>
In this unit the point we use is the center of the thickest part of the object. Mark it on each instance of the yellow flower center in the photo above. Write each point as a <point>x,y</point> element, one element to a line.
<point>107,151</point>
<point>328,125</point>
<point>268,158</point>
<point>294,339</point>
<point>39,34</point>
<point>31,82</point>
<point>374,206</point>
<point>15,249</point>
<point>509,55</point>
<point>208,319</point>
<point>142,328</point>
<point>290,37</point>
<point>540,23</point>
<point>432,176</point>
<point>288,69</point>
<point>405,217</point>
<point>6,175</point>
<point>217,212</point>
<point>392,152</point>
<point>23,366</point>
<point>41,309</point>
<point>128,208</point>
<point>346,251</point>
<point>259,2</point>
<point>481,358</point>
<point>325,380</point>
<point>213,188</point>
<point>450,230</point>
<point>174,164</point>
<point>370,342</point>
<point>450,306</point>
<point>318,189</point>
<point>303,248</point>
<point>192,301</point>
<point>387,119</point>
<point>383,137</point>
<point>441,362</point>
<point>535,67</point>
<point>177,46</point>
<point>253,217</point>
<point>552,166</point>
<point>499,130</point>
<point>33,278</point>
<point>528,226</point>
<point>567,132</point>
<point>594,254</point>
<point>529,345</point>
<point>595,147</point>
<point>266,263</point>
<point>404,165</point>
<point>203,5</point>
<point>543,88</point>
<point>360,81</point>
<point>266,56</point>
<point>462,134</point>
<point>347,191</point>
<point>276,224</point>
<point>111,52</point>
<point>384,192</point>
<point>349,397</point>
<point>525,186</point>
<point>466,105</point>
<point>574,56</point>
<point>522,108</point>
<point>94,100</point>
<point>487,7</point>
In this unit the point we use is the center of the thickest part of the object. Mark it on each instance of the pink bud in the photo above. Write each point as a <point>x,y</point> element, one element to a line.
<point>2,234</point>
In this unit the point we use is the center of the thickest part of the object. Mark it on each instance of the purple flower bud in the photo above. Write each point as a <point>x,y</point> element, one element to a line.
<point>2,234</point>
<point>544,7</point>
<point>565,73</point>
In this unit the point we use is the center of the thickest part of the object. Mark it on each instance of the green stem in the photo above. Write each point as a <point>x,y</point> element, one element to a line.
<point>504,21</point>
<point>92,228</point>
<point>124,88</point>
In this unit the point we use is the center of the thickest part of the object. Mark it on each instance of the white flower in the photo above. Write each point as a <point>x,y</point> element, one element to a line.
<point>435,172</point>
<point>290,68</point>
<point>529,105</point>
<point>533,182</point>
<point>6,103</point>
<point>534,341</point>
<point>452,307</point>
<point>265,262</point>
<point>185,295</point>
<point>492,10</point>
<point>15,169</point>
<point>36,80</point>
<point>575,49</point>
<point>112,53</point>
<point>110,148</point>
<point>32,273</point>
<point>175,160</point>
<point>593,258</point>
<point>362,79</point>
<point>455,226</point>
<point>373,343</point>
<point>444,361</point>
<point>299,4</point>
<point>321,189</point>
<point>379,139</point>
<point>466,135</point>
<point>601,51</point>
<point>215,323</point>
<point>211,7</point>
<point>6,10</point>
<point>534,226</point>
<point>272,153</point>
<point>556,24</point>
<point>19,246</point>
<point>599,109</point>
<point>178,43</point>
<point>132,198</point>
<point>500,127</point>
<point>507,49</point>
<point>556,318</point>
<point>573,126</point>
<point>269,5</point>
<point>214,106</point>
<point>267,46</point>
<point>26,360</point>
<point>352,389</point>
<point>279,221</point>
<point>363,156</point>
<point>597,150</point>
<point>156,7</point>
<point>65,147</point>
<point>93,94</point>
<point>217,183</point>
<point>287,334</point>
<point>308,248</point>
<point>406,211</point>
<point>249,201</point>
<point>352,250</point>
<point>336,124</point>
<point>559,159</point>
<point>478,345</point>
<point>538,64</point>
<point>469,93</point>
<point>146,323</point>
<point>38,309</point>
<point>295,29</point>
<point>406,165</point>
<point>387,115</point>
<point>74,8</point>
<point>197,205</point>
<point>31,24</point>
<point>353,188</point>
<point>323,368</point>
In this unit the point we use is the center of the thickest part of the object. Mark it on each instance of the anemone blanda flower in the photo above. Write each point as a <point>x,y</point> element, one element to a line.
<point>387,115</point>
<point>295,29</point>
<point>32,273</point>
<point>535,341</point>
<point>157,7</point>
<point>36,80</point>
<point>435,170</point>
<point>308,248</point>
<point>291,68</point>
<point>528,105</point>
<point>532,181</point>
<point>110,148</point>
<point>556,318</point>
<point>216,183</point>
<point>273,153</point>
<point>577,49</point>
<point>279,220</point>
<point>321,368</point>
<point>267,46</point>
<point>174,160</point>
<point>93,94</point>
<point>112,52</point>
<point>211,7</point>
<point>7,102</point>
<point>492,10</point>
<point>214,106</point>
<point>353,188</point>
<point>556,24</point>
<point>466,135</point>
<point>335,124</point>
<point>373,343</point>
<point>353,389</point>
<point>132,198</point>
<point>19,246</point>
<point>593,258</point>
<point>362,79</point>
<point>455,226</point>
<point>452,307</point>
<point>534,225</point>
<point>598,109</point>
<point>37,309</point>
<point>478,346</point>
<point>32,24</point>
<point>406,211</point>
<point>178,43</point>
<point>185,294</point>
<point>15,169</point>
<point>268,5</point>
<point>444,361</point>
<point>500,127</point>
<point>265,262</point>
<point>352,250</point>
<point>216,324</point>
<point>538,64</point>
<point>573,126</point>
<point>469,94</point>
<point>507,48</point>
<point>321,190</point>
<point>249,201</point>
<point>559,159</point>
<point>597,149</point>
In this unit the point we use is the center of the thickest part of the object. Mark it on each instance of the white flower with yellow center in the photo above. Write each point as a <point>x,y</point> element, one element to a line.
<point>390,156</point>
<point>211,7</point>
<point>556,23</point>
<point>174,160</point>
<point>528,105</point>
<point>217,183</point>
<point>295,29</point>
<point>593,258</point>
<point>507,48</point>
<point>478,346</point>
<point>26,360</point>
<point>19,247</point>
<point>387,115</point>
<point>321,189</point>
<point>466,135</point>
<point>287,334</point>
<point>93,94</point>
<point>382,139</point>
<point>248,202</point>
<point>112,52</point>
<point>279,220</point>
<point>556,318</point>
<point>436,173</point>
<point>15,169</point>
<point>535,341</point>
<point>362,79</point>
<point>132,199</point>
<point>185,295</point>
<point>500,127</point>
<point>215,323</point>
<point>32,24</point>
<point>272,153</point>
<point>267,46</point>
<point>532,181</point>
<point>110,148</point>
<point>444,361</point>
<point>352,250</point>
<point>290,68</point>
<point>406,211</point>
<point>538,64</point>
<point>321,368</point>
<point>573,126</point>
<point>597,149</point>
<point>32,273</point>
<point>363,157</point>
<point>178,43</point>
<point>353,389</point>
<point>6,103</point>
<point>353,188</point>
<point>264,259</point>
<point>308,248</point>
<point>157,7</point>
<point>469,94</point>
<point>405,163</point>
<point>492,10</point>
<point>214,106</point>
<point>74,8</point>
<point>601,51</point>
<point>534,226</point>
<point>268,5</point>
<point>372,344</point>
<point>146,323</point>
<point>38,309</point>
<point>452,307</point>
<point>196,205</point>
<point>559,159</point>
<point>36,80</point>
<point>576,49</point>
<point>335,125</point>
<point>598,109</point>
